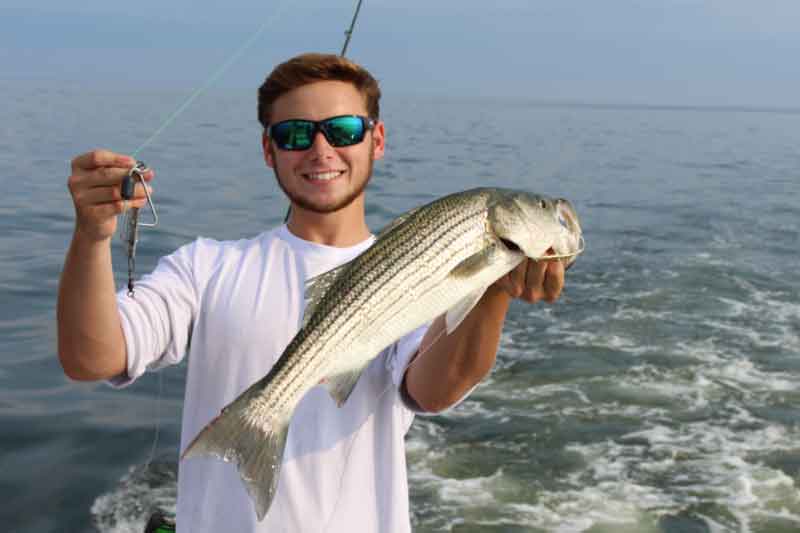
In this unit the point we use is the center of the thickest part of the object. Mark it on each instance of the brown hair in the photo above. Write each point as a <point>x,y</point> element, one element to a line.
<point>309,68</point>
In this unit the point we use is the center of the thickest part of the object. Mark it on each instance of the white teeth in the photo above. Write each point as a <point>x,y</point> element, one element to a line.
<point>324,175</point>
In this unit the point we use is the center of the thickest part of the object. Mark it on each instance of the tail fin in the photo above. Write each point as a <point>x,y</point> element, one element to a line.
<point>256,446</point>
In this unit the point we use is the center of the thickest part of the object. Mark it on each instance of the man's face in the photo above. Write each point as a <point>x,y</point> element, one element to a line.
<point>323,179</point>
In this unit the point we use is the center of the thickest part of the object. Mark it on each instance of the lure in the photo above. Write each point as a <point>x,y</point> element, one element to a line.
<point>129,232</point>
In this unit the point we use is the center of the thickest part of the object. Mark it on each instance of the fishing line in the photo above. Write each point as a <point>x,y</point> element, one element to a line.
<point>154,447</point>
<point>249,42</point>
<point>180,109</point>
<point>213,78</point>
<point>376,401</point>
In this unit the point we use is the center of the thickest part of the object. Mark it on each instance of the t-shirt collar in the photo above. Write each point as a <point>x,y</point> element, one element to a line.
<point>312,248</point>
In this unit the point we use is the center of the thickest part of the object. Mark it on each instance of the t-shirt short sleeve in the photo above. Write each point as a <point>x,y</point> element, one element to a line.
<point>402,353</point>
<point>401,356</point>
<point>157,319</point>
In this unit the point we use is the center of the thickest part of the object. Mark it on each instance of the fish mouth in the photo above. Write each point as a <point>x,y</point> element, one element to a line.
<point>569,241</point>
<point>568,219</point>
<point>511,245</point>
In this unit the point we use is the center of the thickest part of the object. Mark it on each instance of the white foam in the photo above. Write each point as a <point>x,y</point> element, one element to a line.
<point>771,316</point>
<point>474,492</point>
<point>707,463</point>
<point>599,339</point>
<point>744,375</point>
<point>541,393</point>
<point>664,468</point>
<point>668,467</point>
<point>636,314</point>
<point>127,508</point>
<point>564,511</point>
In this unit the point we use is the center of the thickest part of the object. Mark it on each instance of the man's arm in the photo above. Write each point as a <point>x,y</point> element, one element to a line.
<point>448,366</point>
<point>91,345</point>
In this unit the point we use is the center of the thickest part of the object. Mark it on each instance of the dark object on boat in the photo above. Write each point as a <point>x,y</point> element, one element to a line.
<point>160,523</point>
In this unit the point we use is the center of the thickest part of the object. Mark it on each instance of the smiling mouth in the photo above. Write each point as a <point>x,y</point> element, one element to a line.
<point>323,176</point>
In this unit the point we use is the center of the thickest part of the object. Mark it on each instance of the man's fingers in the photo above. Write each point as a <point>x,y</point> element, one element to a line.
<point>531,289</point>
<point>553,281</point>
<point>516,280</point>
<point>534,274</point>
<point>102,195</point>
<point>98,195</point>
<point>101,158</point>
<point>101,177</point>
<point>102,168</point>
<point>535,280</point>
<point>109,210</point>
<point>544,280</point>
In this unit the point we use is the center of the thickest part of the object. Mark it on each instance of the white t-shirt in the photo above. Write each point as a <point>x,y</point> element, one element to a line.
<point>233,307</point>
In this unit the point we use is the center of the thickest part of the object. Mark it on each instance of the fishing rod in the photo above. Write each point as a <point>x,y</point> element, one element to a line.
<point>348,33</point>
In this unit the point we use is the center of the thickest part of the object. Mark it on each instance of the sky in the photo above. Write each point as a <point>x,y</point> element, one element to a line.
<point>660,52</point>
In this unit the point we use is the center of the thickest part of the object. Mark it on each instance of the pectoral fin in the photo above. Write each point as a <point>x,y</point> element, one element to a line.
<point>459,312</point>
<point>481,269</point>
<point>473,264</point>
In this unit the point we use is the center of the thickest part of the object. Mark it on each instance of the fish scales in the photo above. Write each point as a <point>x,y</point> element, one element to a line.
<point>385,262</point>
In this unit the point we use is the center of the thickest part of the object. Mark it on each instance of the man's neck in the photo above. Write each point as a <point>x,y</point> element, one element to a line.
<point>343,228</point>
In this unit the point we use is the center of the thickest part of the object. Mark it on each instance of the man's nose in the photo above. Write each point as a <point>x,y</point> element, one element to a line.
<point>320,145</point>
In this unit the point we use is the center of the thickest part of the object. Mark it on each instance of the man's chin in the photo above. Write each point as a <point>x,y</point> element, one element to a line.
<point>323,206</point>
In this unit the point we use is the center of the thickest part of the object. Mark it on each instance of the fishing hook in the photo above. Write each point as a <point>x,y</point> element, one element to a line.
<point>129,232</point>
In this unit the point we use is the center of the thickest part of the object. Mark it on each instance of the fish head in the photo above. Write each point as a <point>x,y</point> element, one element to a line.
<point>534,224</point>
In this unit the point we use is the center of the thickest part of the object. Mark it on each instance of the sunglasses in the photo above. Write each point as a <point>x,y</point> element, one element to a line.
<point>299,134</point>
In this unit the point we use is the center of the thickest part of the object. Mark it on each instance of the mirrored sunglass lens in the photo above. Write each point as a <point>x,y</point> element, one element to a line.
<point>344,131</point>
<point>293,134</point>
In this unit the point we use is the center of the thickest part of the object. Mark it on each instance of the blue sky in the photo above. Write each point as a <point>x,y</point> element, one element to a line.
<point>685,52</point>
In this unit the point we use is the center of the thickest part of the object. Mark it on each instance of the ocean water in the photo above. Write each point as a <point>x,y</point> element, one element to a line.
<point>660,394</point>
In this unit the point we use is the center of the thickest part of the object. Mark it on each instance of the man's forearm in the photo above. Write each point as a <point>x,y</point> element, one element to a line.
<point>91,344</point>
<point>448,366</point>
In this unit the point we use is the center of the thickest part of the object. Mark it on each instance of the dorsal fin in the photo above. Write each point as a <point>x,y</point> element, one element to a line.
<point>396,222</point>
<point>316,288</point>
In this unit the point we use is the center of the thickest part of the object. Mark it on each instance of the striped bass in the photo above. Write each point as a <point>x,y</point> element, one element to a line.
<point>435,260</point>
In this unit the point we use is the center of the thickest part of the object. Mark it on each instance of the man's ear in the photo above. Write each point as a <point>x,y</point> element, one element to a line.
<point>378,140</point>
<point>269,156</point>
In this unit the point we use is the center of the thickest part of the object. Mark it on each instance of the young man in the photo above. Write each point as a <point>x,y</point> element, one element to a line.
<point>234,306</point>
